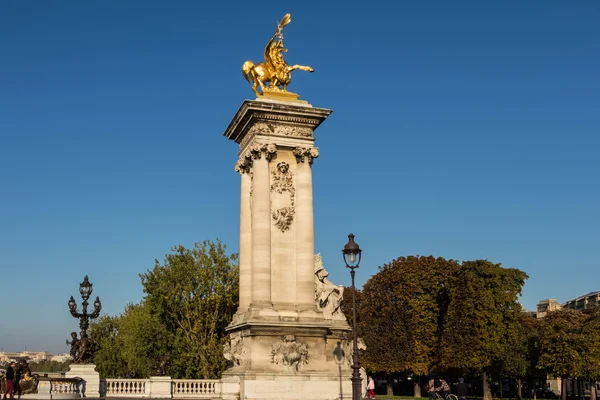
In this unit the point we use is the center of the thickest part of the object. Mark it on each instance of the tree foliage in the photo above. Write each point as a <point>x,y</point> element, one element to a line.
<point>195,294</point>
<point>562,343</point>
<point>482,322</point>
<point>49,366</point>
<point>109,359</point>
<point>400,314</point>
<point>591,344</point>
<point>483,315</point>
<point>346,305</point>
<point>180,324</point>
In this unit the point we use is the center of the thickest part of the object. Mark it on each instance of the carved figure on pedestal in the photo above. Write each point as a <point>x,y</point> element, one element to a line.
<point>349,352</point>
<point>74,343</point>
<point>234,351</point>
<point>274,70</point>
<point>328,296</point>
<point>28,383</point>
<point>85,350</point>
<point>164,365</point>
<point>290,353</point>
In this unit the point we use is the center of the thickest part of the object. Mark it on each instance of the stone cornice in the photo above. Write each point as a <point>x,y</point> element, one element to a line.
<point>289,119</point>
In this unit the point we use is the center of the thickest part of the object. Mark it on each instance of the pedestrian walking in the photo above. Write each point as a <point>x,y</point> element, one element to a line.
<point>10,376</point>
<point>370,388</point>
<point>18,373</point>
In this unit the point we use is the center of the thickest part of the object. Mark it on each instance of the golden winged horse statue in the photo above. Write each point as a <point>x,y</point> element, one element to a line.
<point>274,70</point>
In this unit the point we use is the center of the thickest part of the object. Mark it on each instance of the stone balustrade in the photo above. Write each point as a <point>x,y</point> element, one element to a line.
<point>57,388</point>
<point>161,387</point>
<point>196,388</point>
<point>125,387</point>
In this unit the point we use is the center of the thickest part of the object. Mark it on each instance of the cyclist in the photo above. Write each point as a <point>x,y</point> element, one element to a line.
<point>443,388</point>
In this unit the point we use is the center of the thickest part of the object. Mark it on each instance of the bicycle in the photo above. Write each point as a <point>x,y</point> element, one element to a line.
<point>449,396</point>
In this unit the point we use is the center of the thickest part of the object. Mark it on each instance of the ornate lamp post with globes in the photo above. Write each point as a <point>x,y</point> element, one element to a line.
<point>352,256</point>
<point>85,289</point>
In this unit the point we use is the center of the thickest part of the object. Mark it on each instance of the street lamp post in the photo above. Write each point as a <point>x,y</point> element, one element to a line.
<point>352,256</point>
<point>85,289</point>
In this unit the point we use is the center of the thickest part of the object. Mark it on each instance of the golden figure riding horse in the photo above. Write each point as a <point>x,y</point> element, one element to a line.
<point>274,70</point>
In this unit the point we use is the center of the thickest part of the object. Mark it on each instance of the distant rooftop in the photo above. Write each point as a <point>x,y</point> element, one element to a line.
<point>583,297</point>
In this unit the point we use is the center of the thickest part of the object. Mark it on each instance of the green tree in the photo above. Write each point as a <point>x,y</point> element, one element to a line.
<point>399,315</point>
<point>194,293</point>
<point>482,321</point>
<point>42,367</point>
<point>591,349</point>
<point>346,305</point>
<point>108,358</point>
<point>562,345</point>
<point>145,341</point>
<point>131,345</point>
<point>520,359</point>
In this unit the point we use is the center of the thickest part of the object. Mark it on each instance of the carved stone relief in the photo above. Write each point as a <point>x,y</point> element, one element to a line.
<point>275,129</point>
<point>290,354</point>
<point>308,153</point>
<point>234,351</point>
<point>291,130</point>
<point>328,295</point>
<point>283,184</point>
<point>349,349</point>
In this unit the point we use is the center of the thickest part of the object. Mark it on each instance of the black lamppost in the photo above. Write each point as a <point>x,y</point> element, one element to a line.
<point>85,289</point>
<point>352,256</point>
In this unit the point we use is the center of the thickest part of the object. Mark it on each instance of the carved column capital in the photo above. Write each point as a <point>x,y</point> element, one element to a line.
<point>244,164</point>
<point>257,151</point>
<point>308,153</point>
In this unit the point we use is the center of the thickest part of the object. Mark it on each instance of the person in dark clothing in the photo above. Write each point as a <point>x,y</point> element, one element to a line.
<point>431,389</point>
<point>462,389</point>
<point>18,375</point>
<point>10,376</point>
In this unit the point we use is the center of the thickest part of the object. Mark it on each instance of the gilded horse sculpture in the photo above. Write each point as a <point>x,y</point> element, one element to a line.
<point>274,70</point>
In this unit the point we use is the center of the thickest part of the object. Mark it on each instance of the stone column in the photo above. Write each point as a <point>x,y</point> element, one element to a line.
<point>243,166</point>
<point>261,226</point>
<point>305,230</point>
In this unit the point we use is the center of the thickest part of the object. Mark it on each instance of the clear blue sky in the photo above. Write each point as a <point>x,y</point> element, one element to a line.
<point>462,129</point>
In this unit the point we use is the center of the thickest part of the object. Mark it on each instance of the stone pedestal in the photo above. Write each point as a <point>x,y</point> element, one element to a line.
<point>90,387</point>
<point>288,325</point>
<point>160,387</point>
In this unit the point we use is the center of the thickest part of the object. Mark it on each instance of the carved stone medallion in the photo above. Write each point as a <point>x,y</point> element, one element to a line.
<point>283,186</point>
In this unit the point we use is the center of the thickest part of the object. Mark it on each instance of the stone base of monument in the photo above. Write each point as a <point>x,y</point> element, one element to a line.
<point>302,360</point>
<point>90,387</point>
<point>292,386</point>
